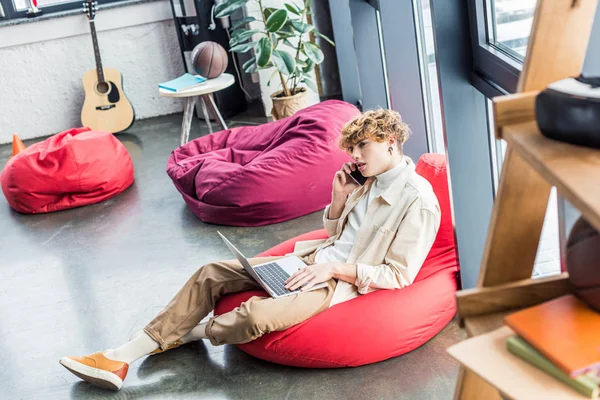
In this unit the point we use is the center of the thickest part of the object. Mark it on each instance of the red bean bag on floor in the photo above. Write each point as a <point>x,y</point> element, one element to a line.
<point>375,326</point>
<point>73,168</point>
<point>259,175</point>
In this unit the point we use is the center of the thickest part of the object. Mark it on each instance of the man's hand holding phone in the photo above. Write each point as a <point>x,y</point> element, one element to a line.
<point>343,185</point>
<point>343,182</point>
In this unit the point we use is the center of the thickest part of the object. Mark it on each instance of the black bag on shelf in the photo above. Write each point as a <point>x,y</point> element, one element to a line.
<point>569,110</point>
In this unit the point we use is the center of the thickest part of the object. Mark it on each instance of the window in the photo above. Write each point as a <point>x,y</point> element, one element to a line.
<point>499,33</point>
<point>509,25</point>
<point>14,9</point>
<point>431,94</point>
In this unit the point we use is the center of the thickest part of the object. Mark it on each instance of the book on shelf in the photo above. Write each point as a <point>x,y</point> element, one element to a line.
<point>184,82</point>
<point>587,385</point>
<point>487,356</point>
<point>565,330</point>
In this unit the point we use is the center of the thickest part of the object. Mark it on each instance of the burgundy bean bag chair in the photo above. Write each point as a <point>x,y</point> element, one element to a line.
<point>375,326</point>
<point>259,175</point>
<point>73,168</point>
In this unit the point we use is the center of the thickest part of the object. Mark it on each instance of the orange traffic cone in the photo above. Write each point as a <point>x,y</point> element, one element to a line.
<point>18,145</point>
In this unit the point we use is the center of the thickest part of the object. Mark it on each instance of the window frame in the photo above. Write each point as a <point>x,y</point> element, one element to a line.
<point>493,69</point>
<point>11,13</point>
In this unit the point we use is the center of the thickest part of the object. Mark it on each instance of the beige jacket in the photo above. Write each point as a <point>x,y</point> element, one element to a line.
<point>395,237</point>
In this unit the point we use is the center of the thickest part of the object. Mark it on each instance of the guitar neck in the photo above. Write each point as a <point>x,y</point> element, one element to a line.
<point>97,52</point>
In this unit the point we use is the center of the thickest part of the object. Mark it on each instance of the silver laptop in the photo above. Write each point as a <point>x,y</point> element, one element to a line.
<point>272,275</point>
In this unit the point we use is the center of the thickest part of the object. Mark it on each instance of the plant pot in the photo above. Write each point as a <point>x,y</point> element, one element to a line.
<point>286,106</point>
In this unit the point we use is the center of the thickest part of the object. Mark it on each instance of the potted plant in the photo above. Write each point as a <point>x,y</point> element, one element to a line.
<point>283,44</point>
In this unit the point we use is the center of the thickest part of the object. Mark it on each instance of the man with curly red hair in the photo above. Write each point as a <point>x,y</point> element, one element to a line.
<point>379,235</point>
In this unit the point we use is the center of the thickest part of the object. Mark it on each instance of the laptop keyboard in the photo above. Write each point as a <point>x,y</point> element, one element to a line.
<point>274,276</point>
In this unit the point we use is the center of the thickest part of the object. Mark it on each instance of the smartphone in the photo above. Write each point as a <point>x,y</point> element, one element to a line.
<point>358,177</point>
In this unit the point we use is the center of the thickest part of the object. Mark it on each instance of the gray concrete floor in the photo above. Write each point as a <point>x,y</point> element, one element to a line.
<point>84,280</point>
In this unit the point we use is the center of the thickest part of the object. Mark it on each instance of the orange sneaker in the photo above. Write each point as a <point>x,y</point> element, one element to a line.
<point>97,370</point>
<point>172,346</point>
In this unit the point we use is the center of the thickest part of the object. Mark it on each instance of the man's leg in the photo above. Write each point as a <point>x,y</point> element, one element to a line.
<point>260,315</point>
<point>199,331</point>
<point>192,303</point>
<point>198,297</point>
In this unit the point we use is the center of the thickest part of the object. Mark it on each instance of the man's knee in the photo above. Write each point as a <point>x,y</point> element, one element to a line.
<point>253,318</point>
<point>212,270</point>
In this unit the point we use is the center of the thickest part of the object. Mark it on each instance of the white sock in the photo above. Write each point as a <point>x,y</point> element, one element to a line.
<point>136,348</point>
<point>199,332</point>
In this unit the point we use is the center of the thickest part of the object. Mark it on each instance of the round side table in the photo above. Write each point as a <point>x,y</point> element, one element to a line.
<point>204,91</point>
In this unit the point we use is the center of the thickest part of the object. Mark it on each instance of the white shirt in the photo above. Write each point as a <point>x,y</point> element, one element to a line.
<point>340,249</point>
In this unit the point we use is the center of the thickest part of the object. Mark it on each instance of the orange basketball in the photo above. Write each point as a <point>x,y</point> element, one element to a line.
<point>209,59</point>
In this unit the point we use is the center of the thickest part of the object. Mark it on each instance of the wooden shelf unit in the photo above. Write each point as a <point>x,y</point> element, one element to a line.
<point>532,165</point>
<point>574,170</point>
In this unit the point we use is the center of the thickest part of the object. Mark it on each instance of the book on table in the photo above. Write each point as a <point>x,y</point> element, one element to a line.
<point>565,330</point>
<point>184,82</point>
<point>487,356</point>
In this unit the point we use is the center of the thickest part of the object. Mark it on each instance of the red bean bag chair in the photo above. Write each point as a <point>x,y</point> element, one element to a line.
<point>73,168</point>
<point>375,326</point>
<point>259,175</point>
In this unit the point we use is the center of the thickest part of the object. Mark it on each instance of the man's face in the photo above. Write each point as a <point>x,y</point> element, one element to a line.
<point>370,156</point>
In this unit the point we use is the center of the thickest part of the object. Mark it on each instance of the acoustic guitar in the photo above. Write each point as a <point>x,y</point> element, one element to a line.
<point>106,108</point>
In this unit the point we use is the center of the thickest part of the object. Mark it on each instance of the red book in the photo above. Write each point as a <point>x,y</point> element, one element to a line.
<point>565,330</point>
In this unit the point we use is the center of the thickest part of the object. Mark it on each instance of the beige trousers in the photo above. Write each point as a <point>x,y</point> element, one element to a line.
<point>249,321</point>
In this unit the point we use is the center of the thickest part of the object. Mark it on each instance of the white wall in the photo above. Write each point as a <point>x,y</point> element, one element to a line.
<point>42,63</point>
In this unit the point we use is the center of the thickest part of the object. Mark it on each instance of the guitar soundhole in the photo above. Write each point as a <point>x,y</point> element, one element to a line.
<point>102,87</point>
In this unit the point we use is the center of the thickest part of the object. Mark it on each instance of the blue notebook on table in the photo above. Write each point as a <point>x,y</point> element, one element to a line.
<point>184,82</point>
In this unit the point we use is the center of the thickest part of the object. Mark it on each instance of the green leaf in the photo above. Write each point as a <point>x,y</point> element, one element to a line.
<point>242,22</point>
<point>242,36</point>
<point>310,84</point>
<point>244,47</point>
<point>284,62</point>
<point>292,9</point>
<point>287,42</point>
<point>274,40</point>
<point>276,21</point>
<point>310,65</point>
<point>228,7</point>
<point>325,37</point>
<point>301,63</point>
<point>250,65</point>
<point>287,29</point>
<point>313,52</point>
<point>307,4</point>
<point>269,65</point>
<point>268,11</point>
<point>265,49</point>
<point>298,74</point>
<point>301,26</point>
<point>289,60</point>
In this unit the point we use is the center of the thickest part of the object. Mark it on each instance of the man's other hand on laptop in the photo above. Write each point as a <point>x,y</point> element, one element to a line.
<point>310,275</point>
<point>317,273</point>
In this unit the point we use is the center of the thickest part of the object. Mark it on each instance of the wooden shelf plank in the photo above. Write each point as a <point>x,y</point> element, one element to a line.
<point>511,296</point>
<point>574,170</point>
